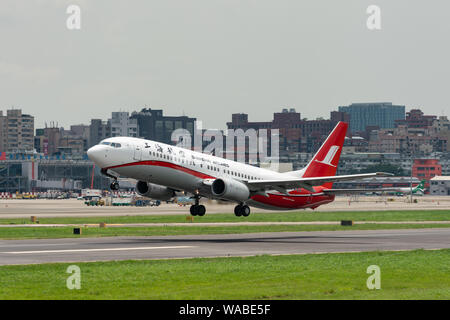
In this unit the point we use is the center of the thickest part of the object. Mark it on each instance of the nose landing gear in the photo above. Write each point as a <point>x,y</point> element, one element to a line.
<point>114,185</point>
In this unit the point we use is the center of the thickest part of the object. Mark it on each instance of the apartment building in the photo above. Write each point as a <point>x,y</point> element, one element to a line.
<point>16,131</point>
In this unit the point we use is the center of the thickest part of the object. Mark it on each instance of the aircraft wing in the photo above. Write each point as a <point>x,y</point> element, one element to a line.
<point>356,191</point>
<point>306,183</point>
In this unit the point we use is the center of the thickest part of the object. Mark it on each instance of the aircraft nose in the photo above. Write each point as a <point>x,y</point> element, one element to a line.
<point>97,154</point>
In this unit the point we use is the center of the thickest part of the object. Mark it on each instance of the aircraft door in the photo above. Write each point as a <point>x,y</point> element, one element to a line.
<point>137,152</point>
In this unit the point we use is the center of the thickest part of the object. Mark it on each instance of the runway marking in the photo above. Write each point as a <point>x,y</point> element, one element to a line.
<point>37,244</point>
<point>93,250</point>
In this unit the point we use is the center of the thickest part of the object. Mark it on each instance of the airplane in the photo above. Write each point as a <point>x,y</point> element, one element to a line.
<point>164,170</point>
<point>417,190</point>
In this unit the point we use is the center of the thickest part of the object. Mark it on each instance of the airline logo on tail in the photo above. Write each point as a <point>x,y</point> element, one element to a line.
<point>330,156</point>
<point>420,187</point>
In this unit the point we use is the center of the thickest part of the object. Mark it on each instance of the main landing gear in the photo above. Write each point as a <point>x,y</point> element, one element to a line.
<point>114,185</point>
<point>198,209</point>
<point>242,210</point>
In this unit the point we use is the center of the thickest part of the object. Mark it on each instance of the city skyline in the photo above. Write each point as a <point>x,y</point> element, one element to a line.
<point>220,56</point>
<point>56,123</point>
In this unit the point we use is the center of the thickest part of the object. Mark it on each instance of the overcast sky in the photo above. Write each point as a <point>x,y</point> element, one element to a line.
<point>212,58</point>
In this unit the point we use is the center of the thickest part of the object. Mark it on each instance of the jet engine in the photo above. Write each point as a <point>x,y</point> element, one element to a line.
<point>154,191</point>
<point>230,189</point>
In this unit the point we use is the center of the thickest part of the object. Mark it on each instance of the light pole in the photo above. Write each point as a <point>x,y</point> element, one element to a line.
<point>410,181</point>
<point>412,165</point>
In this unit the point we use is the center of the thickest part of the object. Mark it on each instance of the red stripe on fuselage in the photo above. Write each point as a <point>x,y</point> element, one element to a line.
<point>170,165</point>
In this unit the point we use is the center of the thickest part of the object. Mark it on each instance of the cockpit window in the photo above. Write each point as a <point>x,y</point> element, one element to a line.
<point>112,144</point>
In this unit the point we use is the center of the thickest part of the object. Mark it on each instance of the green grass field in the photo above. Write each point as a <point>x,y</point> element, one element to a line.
<point>64,232</point>
<point>298,216</point>
<point>415,274</point>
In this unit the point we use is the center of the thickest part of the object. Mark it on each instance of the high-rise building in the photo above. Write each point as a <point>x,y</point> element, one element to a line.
<point>98,130</point>
<point>54,141</point>
<point>416,119</point>
<point>122,125</point>
<point>153,125</point>
<point>2,132</point>
<point>295,134</point>
<point>381,114</point>
<point>16,131</point>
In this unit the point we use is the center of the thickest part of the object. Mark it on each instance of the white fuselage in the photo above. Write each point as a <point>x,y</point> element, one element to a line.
<point>174,167</point>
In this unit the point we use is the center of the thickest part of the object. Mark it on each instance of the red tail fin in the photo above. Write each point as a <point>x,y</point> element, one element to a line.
<point>325,161</point>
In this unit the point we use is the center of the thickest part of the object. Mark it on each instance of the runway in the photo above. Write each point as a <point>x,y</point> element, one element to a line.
<point>226,245</point>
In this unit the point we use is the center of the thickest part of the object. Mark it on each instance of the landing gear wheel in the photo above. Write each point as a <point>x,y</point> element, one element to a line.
<point>114,186</point>
<point>245,211</point>
<point>198,210</point>
<point>201,210</point>
<point>242,210</point>
<point>238,210</point>
<point>193,210</point>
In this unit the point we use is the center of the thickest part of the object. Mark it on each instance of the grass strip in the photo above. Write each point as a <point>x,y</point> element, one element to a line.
<point>417,274</point>
<point>297,216</point>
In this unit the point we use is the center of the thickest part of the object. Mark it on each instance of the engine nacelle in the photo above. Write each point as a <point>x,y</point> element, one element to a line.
<point>230,189</point>
<point>154,191</point>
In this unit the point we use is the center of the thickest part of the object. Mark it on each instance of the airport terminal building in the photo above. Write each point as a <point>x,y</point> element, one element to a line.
<point>35,172</point>
<point>440,186</point>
